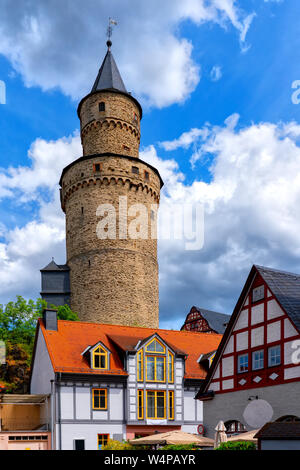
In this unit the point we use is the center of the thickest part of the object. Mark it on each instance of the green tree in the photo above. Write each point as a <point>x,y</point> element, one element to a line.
<point>18,321</point>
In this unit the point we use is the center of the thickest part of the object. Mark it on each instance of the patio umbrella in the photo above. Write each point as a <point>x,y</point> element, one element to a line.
<point>174,437</point>
<point>244,436</point>
<point>220,435</point>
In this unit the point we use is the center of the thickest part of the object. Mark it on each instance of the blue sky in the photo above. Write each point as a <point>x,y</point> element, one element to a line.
<point>191,69</point>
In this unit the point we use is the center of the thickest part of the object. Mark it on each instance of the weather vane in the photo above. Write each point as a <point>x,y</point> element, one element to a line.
<point>111,23</point>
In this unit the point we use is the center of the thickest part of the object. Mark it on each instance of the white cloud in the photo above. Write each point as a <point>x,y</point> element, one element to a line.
<point>216,73</point>
<point>52,44</point>
<point>26,249</point>
<point>251,216</point>
<point>48,159</point>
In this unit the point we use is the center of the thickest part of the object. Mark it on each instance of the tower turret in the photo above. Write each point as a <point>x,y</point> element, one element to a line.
<point>113,280</point>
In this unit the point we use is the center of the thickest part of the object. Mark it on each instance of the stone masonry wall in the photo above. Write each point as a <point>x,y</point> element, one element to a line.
<point>112,281</point>
<point>116,130</point>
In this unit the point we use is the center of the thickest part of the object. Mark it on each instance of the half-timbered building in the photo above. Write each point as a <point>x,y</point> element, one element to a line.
<point>255,375</point>
<point>118,382</point>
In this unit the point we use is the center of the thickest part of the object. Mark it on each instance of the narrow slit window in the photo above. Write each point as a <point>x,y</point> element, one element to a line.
<point>171,405</point>
<point>97,167</point>
<point>102,106</point>
<point>140,404</point>
<point>170,367</point>
<point>135,170</point>
<point>140,366</point>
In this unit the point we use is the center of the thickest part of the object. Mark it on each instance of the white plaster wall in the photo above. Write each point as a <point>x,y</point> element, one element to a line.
<point>88,432</point>
<point>199,411</point>
<point>189,406</point>
<point>273,309</point>
<point>42,372</point>
<point>288,352</point>
<point>227,366</point>
<point>190,428</point>
<point>242,321</point>
<point>274,332</point>
<point>83,403</point>
<point>242,341</point>
<point>116,403</point>
<point>292,373</point>
<point>215,386</point>
<point>227,384</point>
<point>230,346</point>
<point>257,336</point>
<point>67,403</point>
<point>257,314</point>
<point>289,329</point>
<point>284,399</point>
<point>217,373</point>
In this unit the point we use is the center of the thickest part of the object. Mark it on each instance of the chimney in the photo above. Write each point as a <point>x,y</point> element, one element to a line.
<point>50,319</point>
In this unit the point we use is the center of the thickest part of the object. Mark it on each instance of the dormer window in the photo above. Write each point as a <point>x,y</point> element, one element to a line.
<point>100,358</point>
<point>155,363</point>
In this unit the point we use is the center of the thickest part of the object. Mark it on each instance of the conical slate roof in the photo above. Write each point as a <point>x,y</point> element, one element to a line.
<point>109,76</point>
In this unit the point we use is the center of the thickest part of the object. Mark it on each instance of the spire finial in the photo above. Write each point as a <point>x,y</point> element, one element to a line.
<point>111,23</point>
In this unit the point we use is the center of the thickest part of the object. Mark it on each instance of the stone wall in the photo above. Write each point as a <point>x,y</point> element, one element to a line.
<point>112,281</point>
<point>117,129</point>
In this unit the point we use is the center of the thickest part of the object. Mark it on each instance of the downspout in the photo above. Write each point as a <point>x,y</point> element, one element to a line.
<point>59,408</point>
<point>53,412</point>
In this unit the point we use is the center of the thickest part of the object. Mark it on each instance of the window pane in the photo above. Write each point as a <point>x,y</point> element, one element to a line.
<point>150,368</point>
<point>243,363</point>
<point>96,361</point>
<point>160,405</point>
<point>155,346</point>
<point>102,401</point>
<point>274,356</point>
<point>96,401</point>
<point>257,360</point>
<point>140,366</point>
<point>103,362</point>
<point>151,405</point>
<point>160,369</point>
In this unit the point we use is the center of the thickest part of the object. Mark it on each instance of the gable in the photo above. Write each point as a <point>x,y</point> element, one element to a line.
<point>258,323</point>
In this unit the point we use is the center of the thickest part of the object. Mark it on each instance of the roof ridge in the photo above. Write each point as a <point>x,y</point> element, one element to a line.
<point>141,327</point>
<point>276,270</point>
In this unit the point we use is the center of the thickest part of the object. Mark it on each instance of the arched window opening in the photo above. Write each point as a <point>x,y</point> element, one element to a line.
<point>288,419</point>
<point>234,427</point>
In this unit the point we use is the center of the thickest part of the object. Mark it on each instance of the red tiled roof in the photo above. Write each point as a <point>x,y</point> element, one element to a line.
<point>66,345</point>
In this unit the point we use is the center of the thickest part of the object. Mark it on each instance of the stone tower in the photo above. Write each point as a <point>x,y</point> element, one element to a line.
<point>112,280</point>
